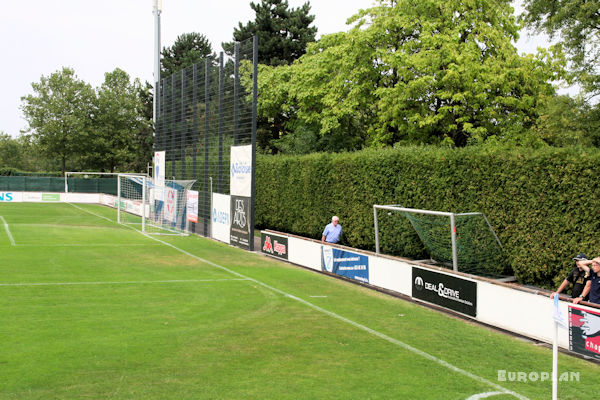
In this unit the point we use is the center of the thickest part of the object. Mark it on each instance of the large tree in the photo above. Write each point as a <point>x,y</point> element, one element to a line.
<point>59,114</point>
<point>119,119</point>
<point>577,24</point>
<point>188,49</point>
<point>413,71</point>
<point>283,32</point>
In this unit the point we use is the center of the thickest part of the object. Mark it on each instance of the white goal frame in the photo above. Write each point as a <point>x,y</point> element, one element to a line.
<point>452,216</point>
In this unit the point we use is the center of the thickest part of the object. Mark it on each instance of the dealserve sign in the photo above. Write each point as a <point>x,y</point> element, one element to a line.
<point>221,217</point>
<point>241,171</point>
<point>448,291</point>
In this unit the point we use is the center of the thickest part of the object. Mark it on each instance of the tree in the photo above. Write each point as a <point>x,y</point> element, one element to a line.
<point>413,71</point>
<point>59,115</point>
<point>577,24</point>
<point>11,153</point>
<point>188,49</point>
<point>119,120</point>
<point>283,32</point>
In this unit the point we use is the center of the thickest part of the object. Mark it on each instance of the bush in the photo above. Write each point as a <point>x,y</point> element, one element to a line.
<point>542,202</point>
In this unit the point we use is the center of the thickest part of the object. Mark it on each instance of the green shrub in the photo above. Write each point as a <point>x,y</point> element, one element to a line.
<point>542,202</point>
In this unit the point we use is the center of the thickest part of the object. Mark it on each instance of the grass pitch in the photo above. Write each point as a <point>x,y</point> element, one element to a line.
<point>93,309</point>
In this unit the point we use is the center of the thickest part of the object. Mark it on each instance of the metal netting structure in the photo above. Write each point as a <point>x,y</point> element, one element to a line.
<point>202,111</point>
<point>465,242</point>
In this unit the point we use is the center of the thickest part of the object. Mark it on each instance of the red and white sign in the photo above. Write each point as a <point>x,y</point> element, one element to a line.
<point>192,205</point>
<point>170,205</point>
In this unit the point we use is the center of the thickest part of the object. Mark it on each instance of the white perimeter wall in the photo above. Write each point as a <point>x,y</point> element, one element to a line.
<point>48,197</point>
<point>511,309</point>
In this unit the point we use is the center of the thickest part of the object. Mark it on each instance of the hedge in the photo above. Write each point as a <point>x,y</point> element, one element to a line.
<point>543,203</point>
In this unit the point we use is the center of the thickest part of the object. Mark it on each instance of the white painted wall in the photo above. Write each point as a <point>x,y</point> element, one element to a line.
<point>511,309</point>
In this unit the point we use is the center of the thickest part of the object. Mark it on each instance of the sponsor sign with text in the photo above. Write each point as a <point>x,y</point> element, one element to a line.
<point>274,245</point>
<point>240,222</point>
<point>7,197</point>
<point>448,291</point>
<point>241,171</point>
<point>170,204</point>
<point>220,217</point>
<point>192,205</point>
<point>345,263</point>
<point>159,168</point>
<point>584,332</point>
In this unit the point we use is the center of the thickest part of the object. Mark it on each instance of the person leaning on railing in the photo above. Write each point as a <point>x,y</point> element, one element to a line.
<point>592,287</point>
<point>579,276</point>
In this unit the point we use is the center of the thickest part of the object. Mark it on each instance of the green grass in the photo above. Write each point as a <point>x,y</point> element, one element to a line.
<point>92,309</point>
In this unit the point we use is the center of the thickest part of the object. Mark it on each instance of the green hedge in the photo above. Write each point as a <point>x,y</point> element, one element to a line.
<point>542,203</point>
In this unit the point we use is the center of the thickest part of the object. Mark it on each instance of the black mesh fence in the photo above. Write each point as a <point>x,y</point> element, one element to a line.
<point>202,111</point>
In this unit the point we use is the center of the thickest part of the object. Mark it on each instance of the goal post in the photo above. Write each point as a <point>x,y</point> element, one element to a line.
<point>156,209</point>
<point>466,241</point>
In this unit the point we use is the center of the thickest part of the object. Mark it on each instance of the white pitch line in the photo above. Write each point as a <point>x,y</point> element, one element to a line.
<point>365,328</point>
<point>484,395</point>
<point>116,283</point>
<point>10,236</point>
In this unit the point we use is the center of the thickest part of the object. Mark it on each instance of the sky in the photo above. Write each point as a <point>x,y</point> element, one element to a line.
<point>40,37</point>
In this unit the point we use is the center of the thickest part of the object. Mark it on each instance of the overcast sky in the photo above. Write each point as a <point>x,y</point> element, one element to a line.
<point>39,37</point>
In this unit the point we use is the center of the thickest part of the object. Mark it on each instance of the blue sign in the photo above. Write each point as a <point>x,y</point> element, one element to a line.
<point>345,263</point>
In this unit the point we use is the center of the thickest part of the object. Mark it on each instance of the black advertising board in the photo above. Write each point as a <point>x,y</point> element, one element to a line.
<point>584,332</point>
<point>274,245</point>
<point>448,291</point>
<point>240,222</point>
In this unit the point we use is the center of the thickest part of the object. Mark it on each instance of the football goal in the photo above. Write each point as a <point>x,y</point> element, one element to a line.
<point>140,203</point>
<point>155,209</point>
<point>465,242</point>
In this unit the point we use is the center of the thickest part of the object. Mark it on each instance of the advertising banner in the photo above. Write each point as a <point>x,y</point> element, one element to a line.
<point>159,168</point>
<point>8,197</point>
<point>170,206</point>
<point>240,224</point>
<point>241,171</point>
<point>50,196</point>
<point>221,220</point>
<point>274,245</point>
<point>345,263</point>
<point>192,205</point>
<point>584,332</point>
<point>448,291</point>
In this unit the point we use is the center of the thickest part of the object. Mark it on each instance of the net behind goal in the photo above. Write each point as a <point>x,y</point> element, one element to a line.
<point>464,242</point>
<point>151,208</point>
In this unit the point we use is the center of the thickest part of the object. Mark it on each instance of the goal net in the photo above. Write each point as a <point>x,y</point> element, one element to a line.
<point>151,208</point>
<point>465,242</point>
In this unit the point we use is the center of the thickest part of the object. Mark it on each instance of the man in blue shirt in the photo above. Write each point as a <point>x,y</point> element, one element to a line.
<point>333,231</point>
<point>592,286</point>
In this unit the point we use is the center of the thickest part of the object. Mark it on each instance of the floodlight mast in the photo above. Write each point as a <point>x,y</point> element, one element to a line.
<point>156,10</point>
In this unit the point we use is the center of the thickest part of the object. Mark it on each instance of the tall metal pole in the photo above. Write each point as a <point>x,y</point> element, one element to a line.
<point>156,10</point>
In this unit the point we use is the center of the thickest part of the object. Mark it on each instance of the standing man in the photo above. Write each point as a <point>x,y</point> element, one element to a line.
<point>578,276</point>
<point>333,231</point>
<point>592,287</point>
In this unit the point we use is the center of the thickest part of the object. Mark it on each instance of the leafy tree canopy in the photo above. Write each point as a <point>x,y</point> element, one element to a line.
<point>577,24</point>
<point>426,71</point>
<point>59,114</point>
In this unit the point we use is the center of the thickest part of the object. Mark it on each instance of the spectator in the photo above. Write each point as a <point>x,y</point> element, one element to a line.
<point>578,276</point>
<point>592,287</point>
<point>332,232</point>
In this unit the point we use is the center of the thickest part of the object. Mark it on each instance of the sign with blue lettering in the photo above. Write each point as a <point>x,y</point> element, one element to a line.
<point>7,196</point>
<point>240,183</point>
<point>345,263</point>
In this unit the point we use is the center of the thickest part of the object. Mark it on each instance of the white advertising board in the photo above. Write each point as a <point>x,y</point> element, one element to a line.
<point>241,171</point>
<point>170,206</point>
<point>11,197</point>
<point>221,217</point>
<point>192,205</point>
<point>159,168</point>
